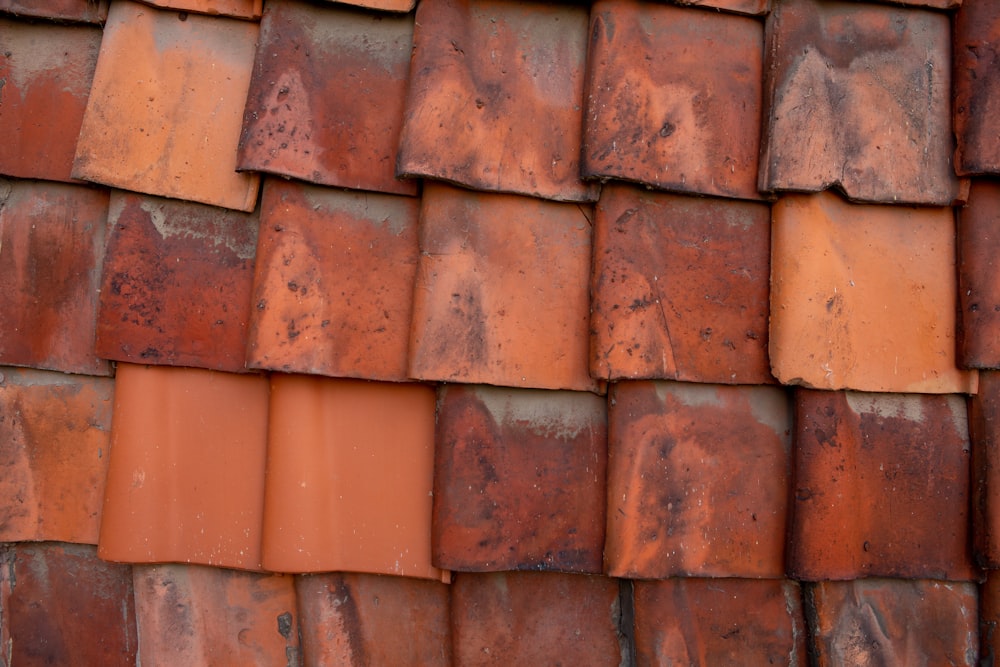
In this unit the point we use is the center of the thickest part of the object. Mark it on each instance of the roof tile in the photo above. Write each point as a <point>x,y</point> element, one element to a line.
<point>859,96</point>
<point>334,130</point>
<point>176,283</point>
<point>864,297</point>
<point>52,236</point>
<point>333,291</point>
<point>977,87</point>
<point>984,432</point>
<point>989,616</point>
<point>186,478</point>
<point>519,480</point>
<point>680,288</point>
<point>501,294</point>
<point>740,6</point>
<point>664,83</point>
<point>719,622</point>
<point>56,434</point>
<point>363,619</point>
<point>85,11</point>
<point>979,277</point>
<point>495,97</point>
<point>244,9</point>
<point>864,505</point>
<point>165,110</point>
<point>686,496</point>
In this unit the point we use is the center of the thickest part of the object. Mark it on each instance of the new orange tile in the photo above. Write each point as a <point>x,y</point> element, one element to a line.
<point>864,297</point>
<point>894,622</point>
<point>186,476</point>
<point>55,431</point>
<point>363,619</point>
<point>719,622</point>
<point>977,87</point>
<point>52,237</point>
<point>196,615</point>
<point>176,283</point>
<point>350,469</point>
<point>680,288</point>
<point>501,295</point>
<point>244,9</point>
<point>859,97</point>
<point>496,95</point>
<point>333,291</point>
<point>85,11</point>
<point>697,480</point>
<point>674,98</point>
<point>984,432</point>
<point>165,110</point>
<point>979,276</point>
<point>519,480</point>
<point>47,71</point>
<point>340,129</point>
<point>865,503</point>
<point>534,618</point>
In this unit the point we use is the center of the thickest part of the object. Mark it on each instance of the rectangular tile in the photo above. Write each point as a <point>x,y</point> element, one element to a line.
<point>979,276</point>
<point>244,9</point>
<point>977,87</point>
<point>85,11</point>
<point>984,432</point>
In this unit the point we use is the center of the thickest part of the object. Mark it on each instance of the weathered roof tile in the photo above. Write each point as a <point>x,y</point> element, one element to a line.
<point>984,432</point>
<point>979,276</point>
<point>977,87</point>
<point>244,9</point>
<point>84,11</point>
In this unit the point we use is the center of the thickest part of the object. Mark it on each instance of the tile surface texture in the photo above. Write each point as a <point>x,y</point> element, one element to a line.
<point>85,11</point>
<point>979,276</point>
<point>245,9</point>
<point>977,87</point>
<point>984,431</point>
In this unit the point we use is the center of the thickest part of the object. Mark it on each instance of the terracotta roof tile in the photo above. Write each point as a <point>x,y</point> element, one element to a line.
<point>977,87</point>
<point>740,6</point>
<point>176,283</point>
<point>363,619</point>
<point>686,496</point>
<point>56,434</point>
<point>719,622</point>
<point>984,431</point>
<point>164,114</point>
<point>383,5</point>
<point>244,9</point>
<point>978,276</point>
<point>989,617</point>
<point>519,480</point>
<point>495,97</point>
<point>858,96</point>
<point>864,297</point>
<point>52,238</point>
<point>47,73</point>
<point>680,288</point>
<point>85,11</point>
<point>501,294</point>
<point>674,98</point>
<point>864,504</point>
<point>335,130</point>
<point>334,286</point>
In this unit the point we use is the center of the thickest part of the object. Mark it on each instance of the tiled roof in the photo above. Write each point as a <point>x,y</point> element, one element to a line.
<point>466,332</point>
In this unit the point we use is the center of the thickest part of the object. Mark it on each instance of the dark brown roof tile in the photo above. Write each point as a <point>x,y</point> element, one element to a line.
<point>984,431</point>
<point>977,87</point>
<point>979,276</point>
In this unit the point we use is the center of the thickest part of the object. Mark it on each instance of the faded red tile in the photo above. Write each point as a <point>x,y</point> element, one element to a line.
<point>186,476</point>
<point>350,469</point>
<point>719,622</point>
<point>176,283</point>
<point>335,130</point>
<point>977,87</point>
<point>55,431</point>
<point>63,606</point>
<point>859,97</point>
<point>865,503</point>
<point>697,480</point>
<point>47,71</point>
<point>893,622</point>
<point>244,9</point>
<point>984,432</point>
<point>165,111</point>
<point>495,97</point>
<point>364,619</point>
<point>196,615</point>
<point>333,293</point>
<point>680,288</point>
<point>52,236</point>
<point>864,297</point>
<point>85,11</point>
<point>674,98</point>
<point>501,295</point>
<point>535,618</point>
<point>519,480</point>
<point>979,276</point>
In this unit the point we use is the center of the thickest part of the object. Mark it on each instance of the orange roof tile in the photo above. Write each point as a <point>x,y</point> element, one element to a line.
<point>245,9</point>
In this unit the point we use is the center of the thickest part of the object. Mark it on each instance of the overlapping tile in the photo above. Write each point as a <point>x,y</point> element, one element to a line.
<point>333,293</point>
<point>754,7</point>
<point>186,476</point>
<point>501,295</point>
<point>674,98</point>
<point>688,495</point>
<point>680,288</point>
<point>989,617</point>
<point>979,277</point>
<point>519,480</point>
<point>341,129</point>
<point>864,297</point>
<point>176,284</point>
<point>858,96</point>
<point>84,11</point>
<point>165,110</point>
<point>977,87</point>
<point>349,477</point>
<point>52,238</point>
<point>495,97</point>
<point>984,432</point>
<point>864,502</point>
<point>244,9</point>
